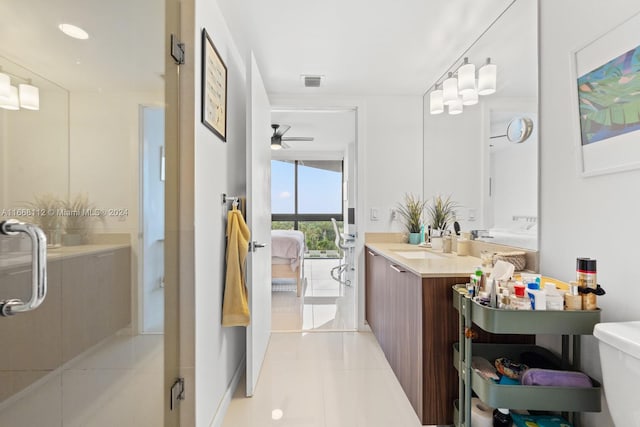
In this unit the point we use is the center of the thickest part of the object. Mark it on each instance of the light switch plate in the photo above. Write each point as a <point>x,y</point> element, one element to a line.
<point>375,214</point>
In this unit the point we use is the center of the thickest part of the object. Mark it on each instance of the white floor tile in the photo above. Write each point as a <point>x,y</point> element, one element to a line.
<point>118,383</point>
<point>328,379</point>
<point>312,312</point>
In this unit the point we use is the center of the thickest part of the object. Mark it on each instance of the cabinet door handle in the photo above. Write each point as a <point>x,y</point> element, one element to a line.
<point>396,268</point>
<point>372,253</point>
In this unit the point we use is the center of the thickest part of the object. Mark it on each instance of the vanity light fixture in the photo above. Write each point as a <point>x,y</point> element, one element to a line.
<point>24,96</point>
<point>461,88</point>
<point>436,104</point>
<point>455,107</point>
<point>11,103</point>
<point>74,31</point>
<point>5,86</point>
<point>466,78</point>
<point>29,97</point>
<point>470,98</point>
<point>450,90</point>
<point>487,78</point>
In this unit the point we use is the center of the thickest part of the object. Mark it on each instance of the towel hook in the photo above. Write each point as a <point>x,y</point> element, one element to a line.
<point>235,200</point>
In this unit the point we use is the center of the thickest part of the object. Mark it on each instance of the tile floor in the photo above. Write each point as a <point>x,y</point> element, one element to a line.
<point>115,384</point>
<point>327,304</point>
<point>323,379</point>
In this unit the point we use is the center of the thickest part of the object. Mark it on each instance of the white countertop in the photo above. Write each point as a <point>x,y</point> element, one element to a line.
<point>434,263</point>
<point>24,258</point>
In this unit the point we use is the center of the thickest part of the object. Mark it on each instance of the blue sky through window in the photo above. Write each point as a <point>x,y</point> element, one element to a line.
<point>319,190</point>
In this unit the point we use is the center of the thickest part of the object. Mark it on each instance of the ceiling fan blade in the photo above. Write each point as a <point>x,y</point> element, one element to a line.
<point>298,138</point>
<point>282,129</point>
<point>285,146</point>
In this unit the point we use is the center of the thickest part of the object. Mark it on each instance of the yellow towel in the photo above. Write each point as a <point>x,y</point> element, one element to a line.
<point>235,307</point>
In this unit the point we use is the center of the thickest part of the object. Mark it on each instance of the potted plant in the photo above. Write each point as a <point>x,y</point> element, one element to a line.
<point>441,213</point>
<point>45,212</point>
<point>411,212</point>
<point>79,215</point>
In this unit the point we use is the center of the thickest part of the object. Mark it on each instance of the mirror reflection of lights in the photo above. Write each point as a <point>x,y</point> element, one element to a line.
<point>277,414</point>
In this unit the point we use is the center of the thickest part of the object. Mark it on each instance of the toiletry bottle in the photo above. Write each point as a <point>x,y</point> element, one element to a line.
<point>501,418</point>
<point>422,233</point>
<point>520,301</point>
<point>553,298</point>
<point>537,296</point>
<point>586,272</point>
<point>493,293</point>
<point>480,276</point>
<point>572,299</point>
<point>505,302</point>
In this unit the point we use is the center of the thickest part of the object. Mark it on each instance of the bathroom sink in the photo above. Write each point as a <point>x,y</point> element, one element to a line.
<point>418,255</point>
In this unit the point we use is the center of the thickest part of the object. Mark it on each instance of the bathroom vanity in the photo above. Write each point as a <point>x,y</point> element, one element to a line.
<point>409,307</point>
<point>88,299</point>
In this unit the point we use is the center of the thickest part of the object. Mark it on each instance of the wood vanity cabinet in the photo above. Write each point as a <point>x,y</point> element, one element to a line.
<point>88,299</point>
<point>96,298</point>
<point>416,325</point>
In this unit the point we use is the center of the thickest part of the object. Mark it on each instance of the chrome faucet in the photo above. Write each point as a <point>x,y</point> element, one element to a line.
<point>480,233</point>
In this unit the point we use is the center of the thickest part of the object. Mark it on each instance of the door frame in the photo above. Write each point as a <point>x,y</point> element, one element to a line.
<point>139,292</point>
<point>284,103</point>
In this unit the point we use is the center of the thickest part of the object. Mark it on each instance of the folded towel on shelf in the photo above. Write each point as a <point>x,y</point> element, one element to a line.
<point>553,378</point>
<point>235,306</point>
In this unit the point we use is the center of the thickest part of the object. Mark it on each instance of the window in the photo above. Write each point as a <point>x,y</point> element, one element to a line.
<point>305,195</point>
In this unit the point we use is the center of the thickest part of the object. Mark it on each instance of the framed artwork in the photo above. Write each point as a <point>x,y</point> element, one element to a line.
<point>606,85</point>
<point>214,88</point>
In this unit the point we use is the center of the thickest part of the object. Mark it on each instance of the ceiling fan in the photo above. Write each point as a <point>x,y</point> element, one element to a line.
<point>277,140</point>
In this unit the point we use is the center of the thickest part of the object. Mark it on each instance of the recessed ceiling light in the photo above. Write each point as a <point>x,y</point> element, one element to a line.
<point>73,31</point>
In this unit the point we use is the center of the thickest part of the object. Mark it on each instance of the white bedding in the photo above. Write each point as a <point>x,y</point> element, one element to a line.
<point>288,245</point>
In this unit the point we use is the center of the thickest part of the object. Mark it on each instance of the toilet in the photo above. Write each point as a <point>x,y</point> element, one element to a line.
<point>619,344</point>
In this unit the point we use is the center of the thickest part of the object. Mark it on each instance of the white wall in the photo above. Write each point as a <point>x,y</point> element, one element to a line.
<point>219,168</point>
<point>575,210</point>
<point>36,149</point>
<point>514,184</point>
<point>104,158</point>
<point>392,159</point>
<point>453,160</point>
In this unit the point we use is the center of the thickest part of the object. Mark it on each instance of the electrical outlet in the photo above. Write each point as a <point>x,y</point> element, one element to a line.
<point>374,215</point>
<point>472,215</point>
<point>394,214</point>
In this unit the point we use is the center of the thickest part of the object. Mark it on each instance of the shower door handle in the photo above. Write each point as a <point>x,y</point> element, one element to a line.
<point>11,227</point>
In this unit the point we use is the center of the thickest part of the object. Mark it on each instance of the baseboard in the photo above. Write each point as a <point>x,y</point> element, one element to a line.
<point>226,399</point>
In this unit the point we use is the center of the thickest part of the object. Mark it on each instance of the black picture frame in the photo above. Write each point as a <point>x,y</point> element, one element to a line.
<point>214,89</point>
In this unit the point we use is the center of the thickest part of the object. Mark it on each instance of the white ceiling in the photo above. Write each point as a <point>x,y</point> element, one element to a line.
<point>332,130</point>
<point>377,47</point>
<point>362,47</point>
<point>124,51</point>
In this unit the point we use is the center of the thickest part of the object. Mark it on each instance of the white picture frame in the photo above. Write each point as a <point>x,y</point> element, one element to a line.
<point>608,151</point>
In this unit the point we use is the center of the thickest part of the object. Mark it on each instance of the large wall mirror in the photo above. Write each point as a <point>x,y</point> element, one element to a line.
<point>486,158</point>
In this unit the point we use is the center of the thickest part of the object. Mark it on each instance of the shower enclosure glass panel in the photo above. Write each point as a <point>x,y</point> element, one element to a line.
<point>71,167</point>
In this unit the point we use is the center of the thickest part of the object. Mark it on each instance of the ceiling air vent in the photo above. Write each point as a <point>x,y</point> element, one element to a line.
<point>312,81</point>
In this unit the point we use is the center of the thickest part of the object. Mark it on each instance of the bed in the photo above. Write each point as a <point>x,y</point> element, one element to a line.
<point>287,256</point>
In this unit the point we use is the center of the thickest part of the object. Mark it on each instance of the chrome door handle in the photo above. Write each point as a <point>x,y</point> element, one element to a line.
<point>11,227</point>
<point>255,245</point>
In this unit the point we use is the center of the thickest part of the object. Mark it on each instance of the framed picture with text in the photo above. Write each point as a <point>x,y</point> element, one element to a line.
<point>214,88</point>
<point>606,86</point>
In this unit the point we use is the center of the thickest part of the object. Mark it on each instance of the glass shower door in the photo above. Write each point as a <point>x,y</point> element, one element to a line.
<point>70,165</point>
